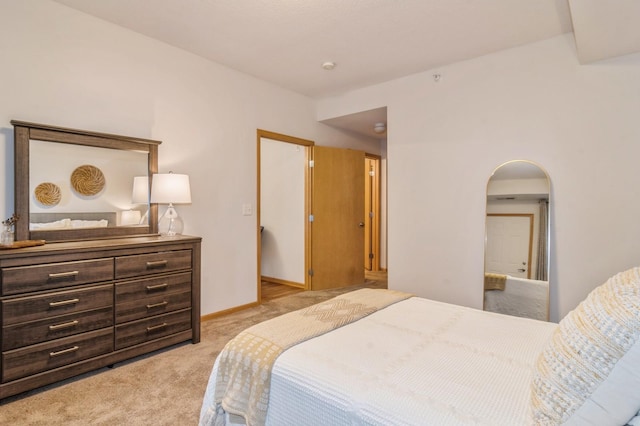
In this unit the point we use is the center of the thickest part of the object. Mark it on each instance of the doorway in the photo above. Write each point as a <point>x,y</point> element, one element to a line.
<point>282,205</point>
<point>326,217</point>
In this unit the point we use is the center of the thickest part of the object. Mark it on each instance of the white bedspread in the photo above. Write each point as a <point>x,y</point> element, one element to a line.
<point>521,297</point>
<point>417,362</point>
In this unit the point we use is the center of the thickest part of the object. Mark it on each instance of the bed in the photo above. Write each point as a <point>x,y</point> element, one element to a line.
<point>409,360</point>
<point>520,297</point>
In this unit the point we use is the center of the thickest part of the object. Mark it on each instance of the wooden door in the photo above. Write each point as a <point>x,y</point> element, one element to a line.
<point>509,243</point>
<point>337,230</point>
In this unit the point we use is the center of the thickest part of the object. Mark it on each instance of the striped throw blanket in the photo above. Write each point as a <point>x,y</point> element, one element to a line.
<point>245,363</point>
<point>494,281</point>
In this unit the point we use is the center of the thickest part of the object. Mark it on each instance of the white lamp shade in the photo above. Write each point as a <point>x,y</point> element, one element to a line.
<point>140,190</point>
<point>129,217</point>
<point>170,188</point>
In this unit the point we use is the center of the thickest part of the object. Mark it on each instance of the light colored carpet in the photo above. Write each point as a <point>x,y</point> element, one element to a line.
<point>165,388</point>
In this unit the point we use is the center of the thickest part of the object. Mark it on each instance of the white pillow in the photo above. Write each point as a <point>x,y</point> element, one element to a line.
<point>589,372</point>
<point>77,223</point>
<point>58,224</point>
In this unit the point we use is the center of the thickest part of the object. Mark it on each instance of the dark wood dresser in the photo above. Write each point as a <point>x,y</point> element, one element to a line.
<point>68,308</point>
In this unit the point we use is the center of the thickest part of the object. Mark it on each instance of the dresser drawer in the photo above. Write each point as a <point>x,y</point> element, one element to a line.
<point>148,287</point>
<point>141,331</point>
<point>153,263</point>
<point>48,276</point>
<point>152,306</point>
<point>43,306</point>
<point>45,356</point>
<point>29,333</point>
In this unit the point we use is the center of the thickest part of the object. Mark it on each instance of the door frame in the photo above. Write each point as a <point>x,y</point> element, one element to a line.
<point>307,144</point>
<point>374,201</point>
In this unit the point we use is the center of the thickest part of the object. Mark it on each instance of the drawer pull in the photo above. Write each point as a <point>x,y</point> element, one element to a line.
<point>156,327</point>
<point>157,305</point>
<point>157,287</point>
<point>64,325</point>
<point>63,275</point>
<point>63,303</point>
<point>157,264</point>
<point>64,351</point>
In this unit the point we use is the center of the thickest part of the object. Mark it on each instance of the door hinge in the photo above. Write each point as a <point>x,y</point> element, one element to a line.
<point>310,218</point>
<point>310,272</point>
<point>371,215</point>
<point>311,163</point>
<point>370,255</point>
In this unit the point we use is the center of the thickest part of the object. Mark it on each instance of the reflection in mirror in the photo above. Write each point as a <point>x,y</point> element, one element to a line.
<point>517,241</point>
<point>103,186</point>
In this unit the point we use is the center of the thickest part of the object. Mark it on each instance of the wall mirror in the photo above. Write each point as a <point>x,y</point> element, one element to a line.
<point>74,184</point>
<point>517,241</point>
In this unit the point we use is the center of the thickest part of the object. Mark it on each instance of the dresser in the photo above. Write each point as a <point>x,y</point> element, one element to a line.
<point>71,307</point>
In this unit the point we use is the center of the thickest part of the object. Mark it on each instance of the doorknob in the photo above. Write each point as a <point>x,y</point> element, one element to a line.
<point>361,224</point>
<point>521,270</point>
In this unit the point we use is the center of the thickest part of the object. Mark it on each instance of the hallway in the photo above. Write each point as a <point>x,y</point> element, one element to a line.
<point>271,291</point>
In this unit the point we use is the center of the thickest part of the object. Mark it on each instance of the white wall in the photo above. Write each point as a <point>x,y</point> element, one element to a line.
<point>535,102</point>
<point>531,187</point>
<point>65,68</point>
<point>282,210</point>
<point>55,163</point>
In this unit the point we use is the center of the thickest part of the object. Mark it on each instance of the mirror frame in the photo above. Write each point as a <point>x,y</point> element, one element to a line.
<point>25,131</point>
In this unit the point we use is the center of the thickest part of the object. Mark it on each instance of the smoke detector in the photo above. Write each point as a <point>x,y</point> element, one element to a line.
<point>329,65</point>
<point>379,128</point>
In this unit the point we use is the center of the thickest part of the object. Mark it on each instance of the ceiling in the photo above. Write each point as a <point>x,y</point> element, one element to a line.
<point>518,169</point>
<point>286,42</point>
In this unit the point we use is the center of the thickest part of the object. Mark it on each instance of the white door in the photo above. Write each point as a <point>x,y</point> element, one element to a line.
<point>508,245</point>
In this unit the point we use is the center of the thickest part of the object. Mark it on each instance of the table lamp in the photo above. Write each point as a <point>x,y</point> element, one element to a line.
<point>170,188</point>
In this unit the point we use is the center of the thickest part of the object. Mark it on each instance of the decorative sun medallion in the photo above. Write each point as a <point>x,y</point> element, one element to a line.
<point>48,194</point>
<point>87,180</point>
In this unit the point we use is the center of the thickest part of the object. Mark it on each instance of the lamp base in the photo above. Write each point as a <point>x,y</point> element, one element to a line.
<point>170,224</point>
